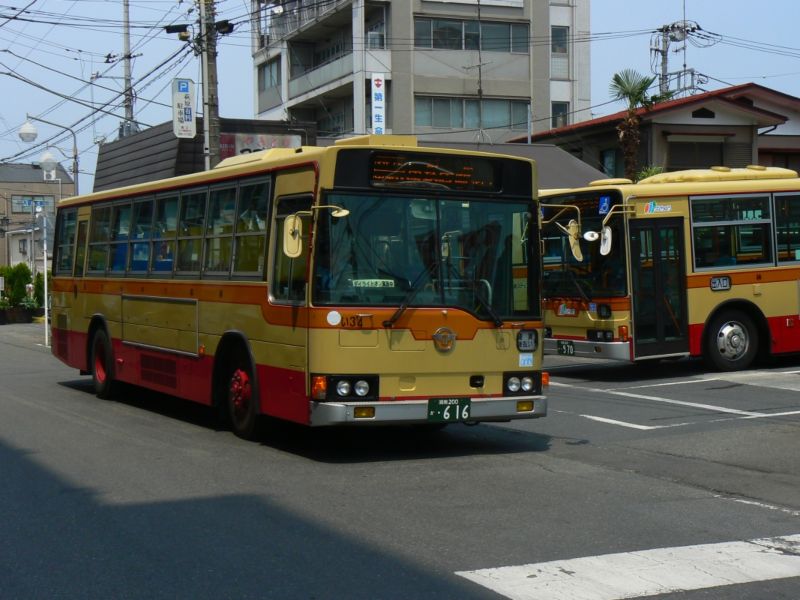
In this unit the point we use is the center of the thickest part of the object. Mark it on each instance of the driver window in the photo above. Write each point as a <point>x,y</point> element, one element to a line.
<point>288,282</point>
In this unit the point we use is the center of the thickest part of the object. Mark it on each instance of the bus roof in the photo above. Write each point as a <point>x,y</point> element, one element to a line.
<point>714,179</point>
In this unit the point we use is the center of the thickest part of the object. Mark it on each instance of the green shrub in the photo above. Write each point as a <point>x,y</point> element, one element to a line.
<point>38,289</point>
<point>16,278</point>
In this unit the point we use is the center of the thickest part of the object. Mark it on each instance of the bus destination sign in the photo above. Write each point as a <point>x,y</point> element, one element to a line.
<point>465,173</point>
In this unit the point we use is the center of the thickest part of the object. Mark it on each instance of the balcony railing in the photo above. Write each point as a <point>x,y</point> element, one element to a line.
<point>301,13</point>
<point>330,71</point>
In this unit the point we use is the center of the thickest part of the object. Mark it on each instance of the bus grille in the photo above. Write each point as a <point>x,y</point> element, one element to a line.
<point>161,371</point>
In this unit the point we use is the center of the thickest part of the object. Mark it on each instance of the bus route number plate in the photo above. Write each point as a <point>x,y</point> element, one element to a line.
<point>446,410</point>
<point>565,347</point>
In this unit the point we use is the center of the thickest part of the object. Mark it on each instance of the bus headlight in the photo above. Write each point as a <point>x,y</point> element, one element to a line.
<point>336,388</point>
<point>522,383</point>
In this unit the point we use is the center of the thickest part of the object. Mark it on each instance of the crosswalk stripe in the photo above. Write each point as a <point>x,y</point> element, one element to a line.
<point>648,572</point>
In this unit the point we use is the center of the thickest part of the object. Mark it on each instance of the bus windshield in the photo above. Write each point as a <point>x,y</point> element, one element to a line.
<point>426,250</point>
<point>597,275</point>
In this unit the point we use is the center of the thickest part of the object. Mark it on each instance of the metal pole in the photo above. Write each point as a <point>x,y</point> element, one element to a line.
<point>44,261</point>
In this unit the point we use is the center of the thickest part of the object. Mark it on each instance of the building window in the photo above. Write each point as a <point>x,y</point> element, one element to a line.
<point>560,114</point>
<point>558,40</point>
<point>559,53</point>
<point>450,34</point>
<point>269,75</point>
<point>458,113</point>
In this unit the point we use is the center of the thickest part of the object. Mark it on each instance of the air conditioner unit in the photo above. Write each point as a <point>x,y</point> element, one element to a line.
<point>49,175</point>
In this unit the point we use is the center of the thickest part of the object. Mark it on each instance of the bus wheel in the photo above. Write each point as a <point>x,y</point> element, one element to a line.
<point>101,365</point>
<point>732,341</point>
<point>242,403</point>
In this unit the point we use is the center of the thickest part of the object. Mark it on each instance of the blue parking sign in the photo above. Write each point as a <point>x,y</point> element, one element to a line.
<point>183,86</point>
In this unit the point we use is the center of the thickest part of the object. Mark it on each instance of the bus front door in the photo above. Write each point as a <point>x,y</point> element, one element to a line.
<point>658,279</point>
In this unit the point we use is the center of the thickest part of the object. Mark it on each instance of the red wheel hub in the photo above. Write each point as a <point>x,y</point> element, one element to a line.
<point>239,391</point>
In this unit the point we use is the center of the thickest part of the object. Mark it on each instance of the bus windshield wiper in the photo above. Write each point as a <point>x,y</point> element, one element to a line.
<point>416,286</point>
<point>498,322</point>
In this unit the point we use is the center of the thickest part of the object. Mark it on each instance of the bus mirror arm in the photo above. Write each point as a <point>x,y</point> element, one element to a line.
<point>572,229</point>
<point>293,227</point>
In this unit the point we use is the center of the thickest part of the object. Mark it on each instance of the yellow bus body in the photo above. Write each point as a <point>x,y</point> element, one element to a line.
<point>730,237</point>
<point>221,338</point>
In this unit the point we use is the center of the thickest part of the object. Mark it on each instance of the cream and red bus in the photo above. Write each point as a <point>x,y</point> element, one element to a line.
<point>702,262</point>
<point>369,282</point>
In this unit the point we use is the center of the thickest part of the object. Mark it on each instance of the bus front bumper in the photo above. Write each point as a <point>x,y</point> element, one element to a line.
<point>587,349</point>
<point>402,412</point>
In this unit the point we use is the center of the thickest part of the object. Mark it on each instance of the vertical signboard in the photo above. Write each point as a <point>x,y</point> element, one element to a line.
<point>378,104</point>
<point>183,123</point>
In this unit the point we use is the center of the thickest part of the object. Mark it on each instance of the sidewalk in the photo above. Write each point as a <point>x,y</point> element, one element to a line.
<point>27,333</point>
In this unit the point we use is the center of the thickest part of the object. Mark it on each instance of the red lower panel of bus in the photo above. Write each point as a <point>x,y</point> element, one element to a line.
<point>283,391</point>
<point>784,333</point>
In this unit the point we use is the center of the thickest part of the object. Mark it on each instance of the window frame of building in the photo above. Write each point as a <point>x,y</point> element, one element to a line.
<point>269,75</point>
<point>508,36</point>
<point>559,44</point>
<point>556,114</point>
<point>463,113</point>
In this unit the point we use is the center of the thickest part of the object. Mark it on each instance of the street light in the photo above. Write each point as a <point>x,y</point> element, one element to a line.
<point>28,133</point>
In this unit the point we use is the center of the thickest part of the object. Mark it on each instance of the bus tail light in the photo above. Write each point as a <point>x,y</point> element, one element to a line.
<point>319,387</point>
<point>623,333</point>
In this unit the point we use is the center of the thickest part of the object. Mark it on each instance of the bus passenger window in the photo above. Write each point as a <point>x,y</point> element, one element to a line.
<point>141,227</point>
<point>251,229</point>
<point>164,231</point>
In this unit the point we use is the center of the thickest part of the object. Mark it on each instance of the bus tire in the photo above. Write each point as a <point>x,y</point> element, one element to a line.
<point>732,342</point>
<point>101,364</point>
<point>241,400</point>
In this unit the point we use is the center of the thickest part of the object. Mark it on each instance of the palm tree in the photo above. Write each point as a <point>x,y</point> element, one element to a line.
<point>631,86</point>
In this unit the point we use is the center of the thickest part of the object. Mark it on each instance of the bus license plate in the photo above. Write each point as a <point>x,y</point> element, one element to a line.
<point>446,410</point>
<point>565,347</point>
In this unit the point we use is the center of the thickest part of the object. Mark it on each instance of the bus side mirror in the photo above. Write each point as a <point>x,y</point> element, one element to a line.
<point>293,236</point>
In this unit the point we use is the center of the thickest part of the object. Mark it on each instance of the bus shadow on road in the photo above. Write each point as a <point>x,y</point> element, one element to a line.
<point>387,443</point>
<point>664,369</point>
<point>624,372</point>
<point>340,444</point>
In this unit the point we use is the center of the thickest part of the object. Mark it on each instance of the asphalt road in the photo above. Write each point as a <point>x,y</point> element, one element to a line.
<point>145,496</point>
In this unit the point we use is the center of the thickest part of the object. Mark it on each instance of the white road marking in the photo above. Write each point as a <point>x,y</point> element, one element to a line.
<point>684,382</point>
<point>631,425</point>
<point>711,407</point>
<point>646,573</point>
<point>788,511</point>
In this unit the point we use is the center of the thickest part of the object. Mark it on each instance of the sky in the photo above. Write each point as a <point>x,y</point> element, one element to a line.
<point>59,61</point>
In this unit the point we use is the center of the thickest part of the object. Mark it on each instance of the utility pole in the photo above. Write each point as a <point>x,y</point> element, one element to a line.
<point>687,80</point>
<point>128,126</point>
<point>208,45</point>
